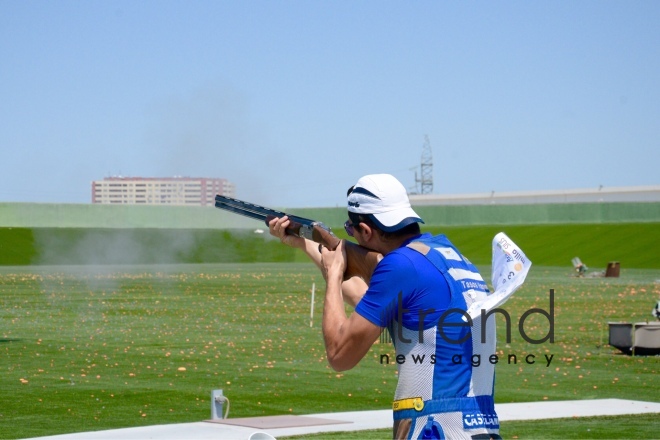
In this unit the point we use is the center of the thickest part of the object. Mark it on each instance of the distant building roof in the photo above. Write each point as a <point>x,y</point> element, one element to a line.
<point>595,195</point>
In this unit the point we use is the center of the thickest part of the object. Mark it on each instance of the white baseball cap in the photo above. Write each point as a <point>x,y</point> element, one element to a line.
<point>384,200</point>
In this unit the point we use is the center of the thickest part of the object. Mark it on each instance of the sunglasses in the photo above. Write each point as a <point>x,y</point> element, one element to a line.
<point>349,228</point>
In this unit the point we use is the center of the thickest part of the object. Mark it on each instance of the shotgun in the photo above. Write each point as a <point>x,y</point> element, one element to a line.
<point>360,261</point>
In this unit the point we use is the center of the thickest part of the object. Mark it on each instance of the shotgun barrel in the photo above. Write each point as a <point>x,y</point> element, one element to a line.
<point>360,260</point>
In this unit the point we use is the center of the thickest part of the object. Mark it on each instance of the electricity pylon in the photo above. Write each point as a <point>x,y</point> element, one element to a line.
<point>425,182</point>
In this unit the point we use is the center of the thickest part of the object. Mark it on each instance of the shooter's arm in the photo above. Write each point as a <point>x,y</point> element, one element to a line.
<point>353,287</point>
<point>361,261</point>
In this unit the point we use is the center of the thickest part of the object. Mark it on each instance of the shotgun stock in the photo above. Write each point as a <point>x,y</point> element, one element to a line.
<point>360,261</point>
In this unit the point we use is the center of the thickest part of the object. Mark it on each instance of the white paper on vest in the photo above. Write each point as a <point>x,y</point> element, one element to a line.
<point>510,268</point>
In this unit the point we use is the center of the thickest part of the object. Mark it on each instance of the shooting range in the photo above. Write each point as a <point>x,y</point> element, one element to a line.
<point>145,145</point>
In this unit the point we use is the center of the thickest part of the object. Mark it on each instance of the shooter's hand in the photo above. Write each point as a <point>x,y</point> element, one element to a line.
<point>277,228</point>
<point>333,262</point>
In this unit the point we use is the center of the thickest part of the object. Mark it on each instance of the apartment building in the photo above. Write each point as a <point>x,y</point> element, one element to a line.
<point>188,191</point>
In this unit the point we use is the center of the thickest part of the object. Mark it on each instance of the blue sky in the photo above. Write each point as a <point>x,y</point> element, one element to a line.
<point>295,100</point>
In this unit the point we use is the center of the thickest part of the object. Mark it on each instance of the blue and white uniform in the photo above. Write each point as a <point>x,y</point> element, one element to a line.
<point>419,292</point>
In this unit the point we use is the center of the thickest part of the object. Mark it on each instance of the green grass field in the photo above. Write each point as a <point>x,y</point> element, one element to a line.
<point>98,347</point>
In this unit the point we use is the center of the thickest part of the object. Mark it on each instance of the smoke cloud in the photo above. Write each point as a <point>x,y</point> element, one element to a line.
<point>210,133</point>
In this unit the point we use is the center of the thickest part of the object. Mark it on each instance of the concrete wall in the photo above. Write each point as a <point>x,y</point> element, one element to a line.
<point>43,215</point>
<point>541,214</point>
<point>623,194</point>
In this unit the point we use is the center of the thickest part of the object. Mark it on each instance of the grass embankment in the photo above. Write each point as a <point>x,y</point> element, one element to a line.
<point>73,246</point>
<point>633,245</point>
<point>89,348</point>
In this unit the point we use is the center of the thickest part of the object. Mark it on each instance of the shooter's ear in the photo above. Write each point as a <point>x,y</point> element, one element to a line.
<point>366,230</point>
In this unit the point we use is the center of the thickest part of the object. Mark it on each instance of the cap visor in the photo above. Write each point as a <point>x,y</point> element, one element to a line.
<point>394,220</point>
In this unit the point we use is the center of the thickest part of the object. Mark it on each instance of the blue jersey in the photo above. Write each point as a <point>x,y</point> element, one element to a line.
<point>420,292</point>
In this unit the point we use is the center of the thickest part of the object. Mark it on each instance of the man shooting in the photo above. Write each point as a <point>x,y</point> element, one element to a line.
<point>420,292</point>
